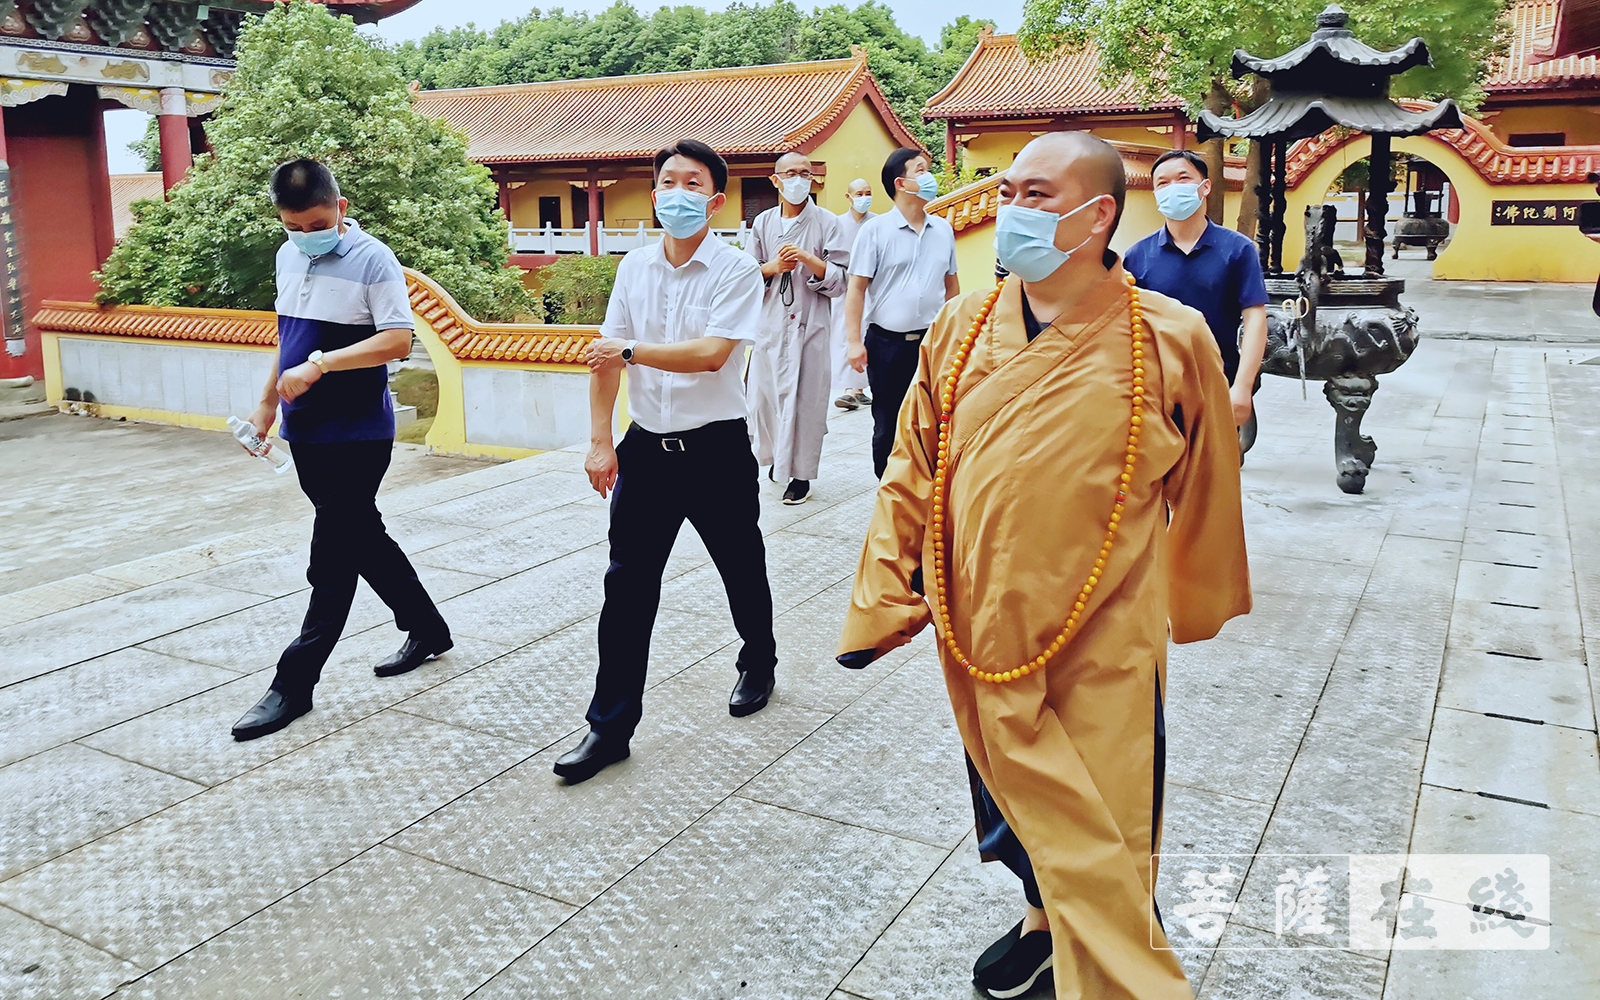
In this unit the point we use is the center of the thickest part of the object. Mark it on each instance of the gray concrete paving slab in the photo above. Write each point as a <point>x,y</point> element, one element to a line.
<point>712,911</point>
<point>189,738</point>
<point>892,762</point>
<point>927,952</point>
<point>529,828</point>
<point>116,504</point>
<point>1553,765</point>
<point>82,633</point>
<point>385,924</point>
<point>153,890</point>
<point>41,963</point>
<point>67,704</point>
<point>69,796</point>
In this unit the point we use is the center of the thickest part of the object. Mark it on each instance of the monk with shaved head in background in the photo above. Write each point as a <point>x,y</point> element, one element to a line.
<point>1063,490</point>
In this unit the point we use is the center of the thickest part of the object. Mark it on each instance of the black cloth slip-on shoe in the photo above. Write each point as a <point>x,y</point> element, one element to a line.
<point>1012,965</point>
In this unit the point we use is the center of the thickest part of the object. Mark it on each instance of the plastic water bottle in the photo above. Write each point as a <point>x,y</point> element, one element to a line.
<point>246,435</point>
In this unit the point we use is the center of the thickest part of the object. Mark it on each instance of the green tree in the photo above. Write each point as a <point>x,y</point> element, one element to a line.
<point>1185,47</point>
<point>148,146</point>
<point>309,85</point>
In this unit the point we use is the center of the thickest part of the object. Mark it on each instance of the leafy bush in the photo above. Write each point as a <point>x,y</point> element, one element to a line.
<point>309,85</point>
<point>576,288</point>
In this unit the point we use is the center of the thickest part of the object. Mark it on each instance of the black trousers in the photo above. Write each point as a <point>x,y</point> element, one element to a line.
<point>891,365</point>
<point>707,476</point>
<point>349,541</point>
<point>997,841</point>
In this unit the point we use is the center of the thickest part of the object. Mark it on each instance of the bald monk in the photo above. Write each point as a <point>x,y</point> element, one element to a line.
<point>1064,488</point>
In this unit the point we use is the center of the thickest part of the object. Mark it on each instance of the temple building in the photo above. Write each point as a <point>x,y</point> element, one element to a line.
<point>571,151</point>
<point>999,100</point>
<point>1535,100</point>
<point>63,64</point>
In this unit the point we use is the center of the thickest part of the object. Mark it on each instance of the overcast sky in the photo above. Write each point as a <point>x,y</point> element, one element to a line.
<point>921,17</point>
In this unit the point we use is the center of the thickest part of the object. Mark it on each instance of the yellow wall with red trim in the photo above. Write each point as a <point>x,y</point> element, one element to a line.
<point>1579,123</point>
<point>996,150</point>
<point>1477,251</point>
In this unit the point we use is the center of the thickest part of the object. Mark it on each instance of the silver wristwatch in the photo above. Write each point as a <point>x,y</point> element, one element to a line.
<point>627,352</point>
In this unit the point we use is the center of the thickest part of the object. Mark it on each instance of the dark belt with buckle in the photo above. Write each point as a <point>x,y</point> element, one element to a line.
<point>911,336</point>
<point>708,435</point>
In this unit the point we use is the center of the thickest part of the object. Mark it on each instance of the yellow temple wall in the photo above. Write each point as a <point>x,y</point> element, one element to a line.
<point>857,149</point>
<point>1579,122</point>
<point>1478,251</point>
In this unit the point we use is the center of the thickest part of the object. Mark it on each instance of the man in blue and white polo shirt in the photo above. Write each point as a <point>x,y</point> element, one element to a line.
<point>343,312</point>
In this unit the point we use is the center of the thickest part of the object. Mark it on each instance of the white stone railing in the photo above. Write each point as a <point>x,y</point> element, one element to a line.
<point>550,241</point>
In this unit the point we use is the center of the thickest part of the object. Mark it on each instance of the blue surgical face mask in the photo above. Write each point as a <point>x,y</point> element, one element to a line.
<point>315,244</point>
<point>1025,240</point>
<point>862,203</point>
<point>682,212</point>
<point>1178,201</point>
<point>927,187</point>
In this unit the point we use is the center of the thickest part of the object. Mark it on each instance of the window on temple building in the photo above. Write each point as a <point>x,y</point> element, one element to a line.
<point>758,195</point>
<point>1538,139</point>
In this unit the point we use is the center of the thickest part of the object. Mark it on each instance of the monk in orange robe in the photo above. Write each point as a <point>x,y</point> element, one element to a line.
<point>1063,491</point>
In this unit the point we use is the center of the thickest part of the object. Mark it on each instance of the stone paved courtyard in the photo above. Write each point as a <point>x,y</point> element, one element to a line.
<point>1413,678</point>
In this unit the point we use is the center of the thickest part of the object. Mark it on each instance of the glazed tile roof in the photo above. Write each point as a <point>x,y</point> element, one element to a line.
<point>975,204</point>
<point>465,337</point>
<point>1494,161</point>
<point>127,189</point>
<point>763,110</point>
<point>470,340</point>
<point>998,81</point>
<point>1577,31</point>
<point>214,326</point>
<point>1524,69</point>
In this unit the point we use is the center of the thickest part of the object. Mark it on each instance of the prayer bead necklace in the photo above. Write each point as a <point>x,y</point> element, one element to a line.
<point>941,477</point>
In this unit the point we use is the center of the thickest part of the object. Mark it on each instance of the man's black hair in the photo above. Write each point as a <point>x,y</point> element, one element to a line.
<point>700,153</point>
<point>895,166</point>
<point>1190,156</point>
<point>301,184</point>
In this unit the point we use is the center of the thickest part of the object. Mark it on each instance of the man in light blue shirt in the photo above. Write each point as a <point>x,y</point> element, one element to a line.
<point>902,271</point>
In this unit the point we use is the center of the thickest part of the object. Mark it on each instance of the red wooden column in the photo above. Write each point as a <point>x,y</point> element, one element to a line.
<point>949,145</point>
<point>595,221</point>
<point>176,155</point>
<point>1180,131</point>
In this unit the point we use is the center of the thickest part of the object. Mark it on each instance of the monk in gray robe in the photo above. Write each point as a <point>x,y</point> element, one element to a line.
<point>803,259</point>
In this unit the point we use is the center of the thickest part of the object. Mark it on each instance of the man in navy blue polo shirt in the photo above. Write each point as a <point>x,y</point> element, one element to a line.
<point>1209,268</point>
<point>343,313</point>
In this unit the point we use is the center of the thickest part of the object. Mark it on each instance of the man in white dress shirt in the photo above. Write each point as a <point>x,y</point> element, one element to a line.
<point>850,384</point>
<point>679,316</point>
<point>902,271</point>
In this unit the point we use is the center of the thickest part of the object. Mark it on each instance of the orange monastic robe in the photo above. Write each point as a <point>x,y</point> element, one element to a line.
<point>1037,444</point>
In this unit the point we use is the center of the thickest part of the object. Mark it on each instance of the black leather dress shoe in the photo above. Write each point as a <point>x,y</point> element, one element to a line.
<point>413,654</point>
<point>1012,965</point>
<point>589,758</point>
<point>750,694</point>
<point>274,711</point>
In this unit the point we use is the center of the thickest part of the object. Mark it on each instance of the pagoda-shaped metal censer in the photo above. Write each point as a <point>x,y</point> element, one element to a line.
<point>1341,327</point>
